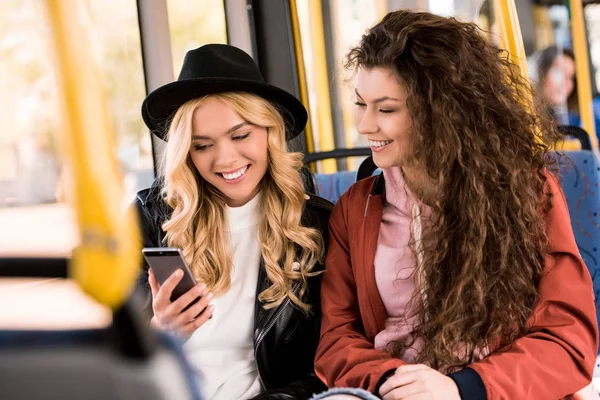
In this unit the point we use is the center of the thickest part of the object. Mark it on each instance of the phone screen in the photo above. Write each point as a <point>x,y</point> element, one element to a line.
<point>164,262</point>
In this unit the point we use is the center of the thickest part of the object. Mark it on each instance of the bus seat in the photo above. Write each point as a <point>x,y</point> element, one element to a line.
<point>125,360</point>
<point>83,365</point>
<point>581,185</point>
<point>308,179</point>
<point>367,168</point>
<point>332,186</point>
<point>578,133</point>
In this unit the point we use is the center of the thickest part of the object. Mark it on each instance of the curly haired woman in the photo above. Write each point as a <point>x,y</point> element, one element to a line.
<point>454,274</point>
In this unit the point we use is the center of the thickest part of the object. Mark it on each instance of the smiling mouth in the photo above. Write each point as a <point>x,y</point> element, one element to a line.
<point>379,144</point>
<point>234,175</point>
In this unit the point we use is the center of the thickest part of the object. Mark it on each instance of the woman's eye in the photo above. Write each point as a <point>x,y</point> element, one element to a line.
<point>241,137</point>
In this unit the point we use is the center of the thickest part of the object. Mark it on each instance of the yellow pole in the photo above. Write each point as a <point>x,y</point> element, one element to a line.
<point>324,122</point>
<point>106,263</point>
<point>505,12</point>
<point>310,147</point>
<point>584,85</point>
<point>543,27</point>
<point>345,99</point>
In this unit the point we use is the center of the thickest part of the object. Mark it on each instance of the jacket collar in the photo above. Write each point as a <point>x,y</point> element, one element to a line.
<point>378,185</point>
<point>153,191</point>
<point>369,235</point>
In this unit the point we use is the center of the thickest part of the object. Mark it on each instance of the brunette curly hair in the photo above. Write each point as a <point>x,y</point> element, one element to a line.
<point>489,153</point>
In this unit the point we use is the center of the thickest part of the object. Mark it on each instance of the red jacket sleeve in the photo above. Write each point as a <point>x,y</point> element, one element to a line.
<point>345,357</point>
<point>556,357</point>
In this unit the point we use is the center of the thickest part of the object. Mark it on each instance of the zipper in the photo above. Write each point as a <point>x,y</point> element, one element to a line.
<point>367,205</point>
<point>290,332</point>
<point>262,336</point>
<point>266,331</point>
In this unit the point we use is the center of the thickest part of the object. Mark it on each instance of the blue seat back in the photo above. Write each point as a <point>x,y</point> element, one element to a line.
<point>580,183</point>
<point>332,186</point>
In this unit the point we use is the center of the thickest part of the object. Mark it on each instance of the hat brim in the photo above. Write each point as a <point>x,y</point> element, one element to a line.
<point>160,105</point>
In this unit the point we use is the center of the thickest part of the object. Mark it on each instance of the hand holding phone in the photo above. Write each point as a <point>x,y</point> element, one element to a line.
<point>164,261</point>
<point>179,303</point>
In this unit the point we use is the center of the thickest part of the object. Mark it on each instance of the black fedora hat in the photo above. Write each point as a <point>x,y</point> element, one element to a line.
<point>218,68</point>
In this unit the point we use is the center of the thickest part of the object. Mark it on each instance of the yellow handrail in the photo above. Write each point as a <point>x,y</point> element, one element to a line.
<point>505,12</point>
<point>584,85</point>
<point>325,130</point>
<point>308,134</point>
<point>543,32</point>
<point>106,263</point>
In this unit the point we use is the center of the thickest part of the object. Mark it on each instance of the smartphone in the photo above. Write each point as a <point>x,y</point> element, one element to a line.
<point>164,261</point>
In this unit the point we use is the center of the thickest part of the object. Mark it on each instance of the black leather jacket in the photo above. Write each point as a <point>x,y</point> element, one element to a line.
<point>285,338</point>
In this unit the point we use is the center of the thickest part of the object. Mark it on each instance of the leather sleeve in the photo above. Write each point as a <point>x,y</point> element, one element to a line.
<point>147,233</point>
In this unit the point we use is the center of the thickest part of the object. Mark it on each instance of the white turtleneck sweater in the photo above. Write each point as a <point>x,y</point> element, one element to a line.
<point>222,349</point>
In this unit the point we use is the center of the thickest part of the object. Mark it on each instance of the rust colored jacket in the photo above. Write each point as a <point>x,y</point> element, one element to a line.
<point>552,361</point>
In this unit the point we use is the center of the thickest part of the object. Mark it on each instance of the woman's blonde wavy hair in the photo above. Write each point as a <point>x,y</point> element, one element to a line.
<point>197,223</point>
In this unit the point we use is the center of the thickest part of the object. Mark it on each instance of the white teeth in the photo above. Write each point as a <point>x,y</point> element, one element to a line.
<point>236,174</point>
<point>377,143</point>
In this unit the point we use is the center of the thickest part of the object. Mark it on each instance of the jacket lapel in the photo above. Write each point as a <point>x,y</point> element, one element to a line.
<point>261,316</point>
<point>368,237</point>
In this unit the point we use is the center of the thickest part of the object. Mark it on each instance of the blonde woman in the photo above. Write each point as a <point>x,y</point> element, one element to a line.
<point>231,198</point>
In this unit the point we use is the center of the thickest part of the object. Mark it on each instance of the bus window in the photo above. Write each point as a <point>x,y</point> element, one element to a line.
<point>328,29</point>
<point>35,215</point>
<point>114,33</point>
<point>592,16</point>
<point>556,75</point>
<point>194,23</point>
<point>33,182</point>
<point>33,221</point>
